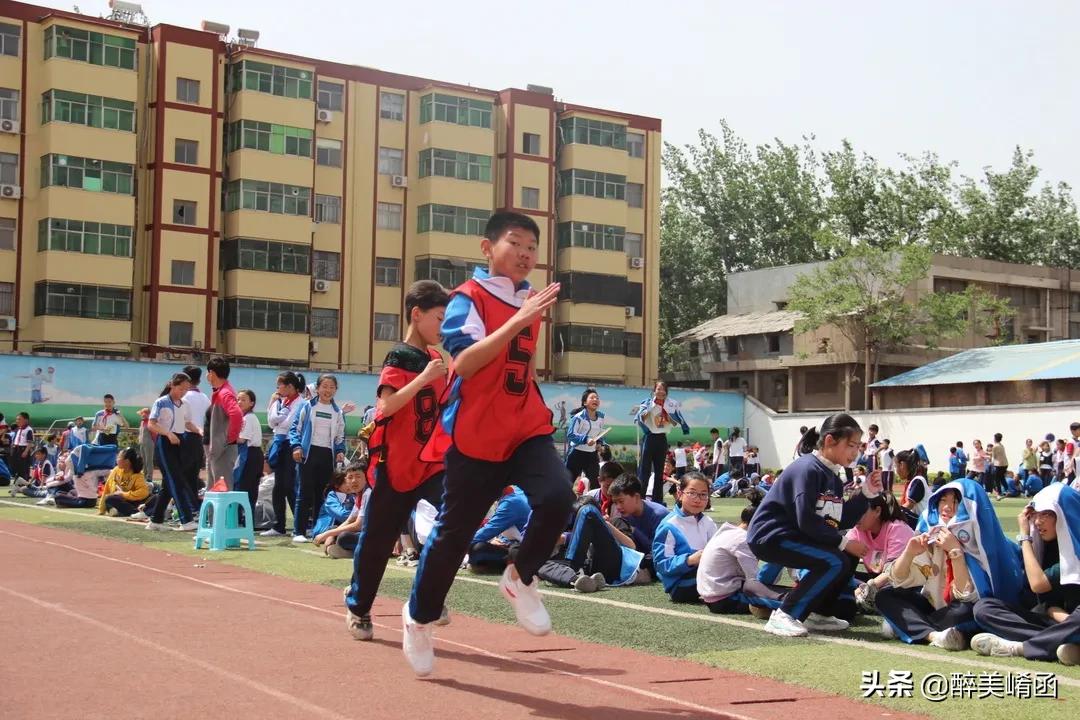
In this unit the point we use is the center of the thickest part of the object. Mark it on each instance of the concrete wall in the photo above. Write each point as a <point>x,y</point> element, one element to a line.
<point>759,290</point>
<point>936,428</point>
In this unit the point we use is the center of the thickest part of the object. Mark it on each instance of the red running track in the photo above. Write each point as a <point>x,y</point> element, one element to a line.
<point>97,628</point>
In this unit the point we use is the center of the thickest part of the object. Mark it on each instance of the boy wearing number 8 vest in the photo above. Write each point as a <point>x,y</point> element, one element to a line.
<point>413,379</point>
<point>495,430</point>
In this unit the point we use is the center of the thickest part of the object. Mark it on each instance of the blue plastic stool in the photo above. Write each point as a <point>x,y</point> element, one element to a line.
<point>225,530</point>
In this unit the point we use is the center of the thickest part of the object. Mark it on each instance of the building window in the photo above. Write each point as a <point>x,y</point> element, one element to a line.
<point>635,145</point>
<point>7,298</point>
<point>949,285</point>
<point>180,333</point>
<point>452,109</point>
<point>268,137</point>
<point>593,132</point>
<point>328,209</point>
<point>324,322</point>
<point>635,195</point>
<point>632,344</point>
<point>87,174</point>
<point>269,315</point>
<point>89,47</point>
<point>331,97</point>
<point>326,265</point>
<point>266,255</point>
<point>388,272</point>
<point>391,161</point>
<point>9,39</point>
<point>184,212</point>
<point>9,104</point>
<point>90,110</point>
<point>9,169</point>
<point>732,345</point>
<point>451,219</point>
<point>633,297</point>
<point>388,216</point>
<point>821,382</point>
<point>597,289</point>
<point>7,233</point>
<point>530,198</point>
<point>530,143</point>
<point>594,184</point>
<point>1074,302</point>
<point>183,272</point>
<point>84,301</point>
<point>632,244</point>
<point>591,235</point>
<point>454,164</point>
<point>446,271</point>
<point>386,326</point>
<point>590,339</point>
<point>272,79</point>
<point>774,343</point>
<point>187,152</point>
<point>187,90</point>
<point>91,238</point>
<point>391,106</point>
<point>269,197</point>
<point>1074,330</point>
<point>328,152</point>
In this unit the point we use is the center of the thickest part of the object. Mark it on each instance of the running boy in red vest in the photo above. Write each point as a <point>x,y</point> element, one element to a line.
<point>496,431</point>
<point>413,379</point>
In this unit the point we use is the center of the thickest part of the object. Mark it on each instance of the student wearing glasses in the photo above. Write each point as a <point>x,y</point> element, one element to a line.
<point>681,537</point>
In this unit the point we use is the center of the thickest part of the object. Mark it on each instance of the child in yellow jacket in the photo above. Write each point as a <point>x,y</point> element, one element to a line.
<point>125,487</point>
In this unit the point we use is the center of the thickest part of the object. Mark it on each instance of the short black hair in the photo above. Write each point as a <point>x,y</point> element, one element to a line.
<point>194,372</point>
<point>41,449</point>
<point>500,222</point>
<point>107,396</point>
<point>250,394</point>
<point>714,431</point>
<point>133,456</point>
<point>611,470</point>
<point>605,453</point>
<point>24,415</point>
<point>625,484</point>
<point>425,294</point>
<point>356,467</point>
<point>219,366</point>
<point>1074,426</point>
<point>873,427</point>
<point>997,437</point>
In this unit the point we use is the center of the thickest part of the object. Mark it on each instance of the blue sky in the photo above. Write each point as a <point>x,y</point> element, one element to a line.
<point>968,80</point>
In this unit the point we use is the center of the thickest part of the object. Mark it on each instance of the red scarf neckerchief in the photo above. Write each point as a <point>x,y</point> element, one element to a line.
<point>664,418</point>
<point>948,579</point>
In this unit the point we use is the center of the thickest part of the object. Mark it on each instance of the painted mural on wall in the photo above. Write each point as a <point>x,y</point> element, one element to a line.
<point>54,390</point>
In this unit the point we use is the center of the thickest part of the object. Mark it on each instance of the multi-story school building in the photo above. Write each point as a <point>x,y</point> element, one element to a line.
<point>167,192</point>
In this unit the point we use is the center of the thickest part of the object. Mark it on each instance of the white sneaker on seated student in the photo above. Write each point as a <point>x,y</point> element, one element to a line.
<point>1047,627</point>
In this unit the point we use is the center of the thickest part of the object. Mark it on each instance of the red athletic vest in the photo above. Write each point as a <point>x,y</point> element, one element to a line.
<point>500,406</point>
<point>398,439</point>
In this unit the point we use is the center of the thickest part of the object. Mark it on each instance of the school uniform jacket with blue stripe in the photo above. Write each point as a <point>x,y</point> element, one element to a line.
<point>579,427</point>
<point>300,432</point>
<point>678,536</point>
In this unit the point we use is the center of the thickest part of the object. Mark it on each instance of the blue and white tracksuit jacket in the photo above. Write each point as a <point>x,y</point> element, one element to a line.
<point>678,536</point>
<point>300,432</point>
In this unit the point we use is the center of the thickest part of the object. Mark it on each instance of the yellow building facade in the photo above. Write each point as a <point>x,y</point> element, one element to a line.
<point>167,193</point>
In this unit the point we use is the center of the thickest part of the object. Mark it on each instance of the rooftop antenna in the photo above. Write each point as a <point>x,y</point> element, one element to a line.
<point>127,12</point>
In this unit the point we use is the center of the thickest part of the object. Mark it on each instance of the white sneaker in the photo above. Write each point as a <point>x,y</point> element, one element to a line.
<point>953,639</point>
<point>157,527</point>
<point>525,599</point>
<point>300,539</point>
<point>444,618</point>
<point>1069,654</point>
<point>50,500</point>
<point>417,644</point>
<point>985,644</point>
<point>782,624</point>
<point>140,516</point>
<point>113,512</point>
<point>42,501</point>
<point>825,623</point>
<point>887,630</point>
<point>271,533</point>
<point>189,526</point>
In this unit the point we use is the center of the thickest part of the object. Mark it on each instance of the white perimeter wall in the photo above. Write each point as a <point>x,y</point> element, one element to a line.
<point>936,428</point>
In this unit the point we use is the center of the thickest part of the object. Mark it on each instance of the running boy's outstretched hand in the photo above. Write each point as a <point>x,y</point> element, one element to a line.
<point>536,304</point>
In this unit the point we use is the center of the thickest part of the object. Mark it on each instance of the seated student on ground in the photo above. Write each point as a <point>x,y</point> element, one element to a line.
<point>800,522</point>
<point>1013,487</point>
<point>720,484</point>
<point>681,537</point>
<point>959,555</point>
<point>727,577</point>
<point>1032,483</point>
<point>339,539</point>
<point>602,495</point>
<point>338,502</point>
<point>884,531</point>
<point>1046,624</point>
<point>491,544</point>
<point>594,553</point>
<point>125,487</point>
<point>42,482</point>
<point>636,515</point>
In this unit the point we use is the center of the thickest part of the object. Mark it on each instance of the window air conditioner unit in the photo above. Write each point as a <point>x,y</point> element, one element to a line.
<point>9,126</point>
<point>320,286</point>
<point>399,181</point>
<point>630,311</point>
<point>12,192</point>
<point>324,116</point>
<point>637,263</point>
<point>7,323</point>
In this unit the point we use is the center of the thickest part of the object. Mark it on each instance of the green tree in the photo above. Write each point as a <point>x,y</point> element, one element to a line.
<point>862,294</point>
